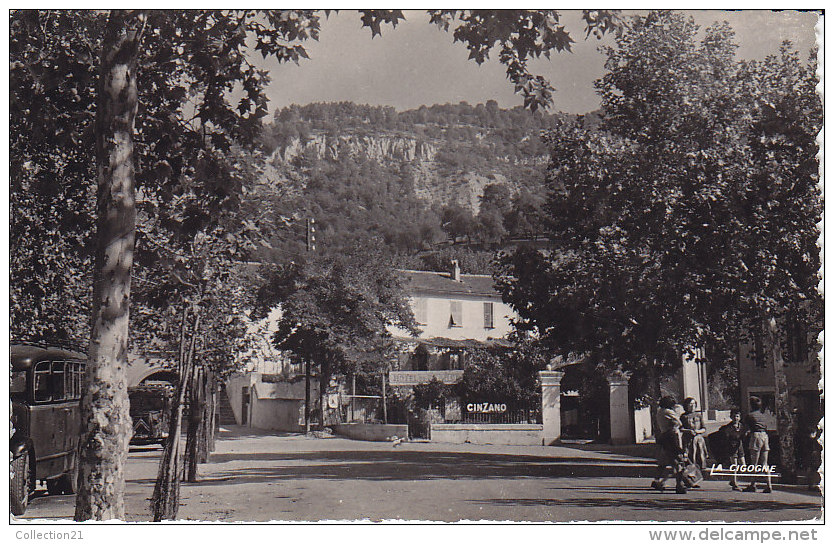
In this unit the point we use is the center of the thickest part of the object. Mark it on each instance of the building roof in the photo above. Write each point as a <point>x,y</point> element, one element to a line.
<point>441,284</point>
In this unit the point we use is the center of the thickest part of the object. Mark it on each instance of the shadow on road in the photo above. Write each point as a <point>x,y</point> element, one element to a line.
<point>658,504</point>
<point>239,432</point>
<point>145,448</point>
<point>631,490</point>
<point>417,465</point>
<point>645,451</point>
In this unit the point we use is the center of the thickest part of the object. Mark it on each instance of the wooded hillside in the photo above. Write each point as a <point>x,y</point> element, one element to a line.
<point>411,179</point>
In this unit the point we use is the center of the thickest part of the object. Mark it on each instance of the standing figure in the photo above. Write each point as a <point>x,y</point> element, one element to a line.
<point>733,434</point>
<point>692,429</point>
<point>759,443</point>
<point>669,443</point>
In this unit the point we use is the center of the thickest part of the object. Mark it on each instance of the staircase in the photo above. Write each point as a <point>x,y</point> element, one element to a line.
<point>225,415</point>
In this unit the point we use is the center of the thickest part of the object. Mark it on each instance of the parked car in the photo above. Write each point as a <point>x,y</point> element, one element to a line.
<point>45,392</point>
<point>150,406</point>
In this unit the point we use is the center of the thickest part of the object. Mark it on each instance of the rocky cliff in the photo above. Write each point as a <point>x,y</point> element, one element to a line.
<point>446,166</point>
<point>379,147</point>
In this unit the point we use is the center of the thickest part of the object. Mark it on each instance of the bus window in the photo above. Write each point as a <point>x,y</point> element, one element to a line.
<point>74,378</point>
<point>57,380</point>
<point>43,391</point>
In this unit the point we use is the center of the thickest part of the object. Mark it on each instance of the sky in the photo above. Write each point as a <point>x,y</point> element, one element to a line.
<point>417,63</point>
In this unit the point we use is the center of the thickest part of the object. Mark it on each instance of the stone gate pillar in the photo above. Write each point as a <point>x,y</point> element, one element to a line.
<point>619,413</point>
<point>551,406</point>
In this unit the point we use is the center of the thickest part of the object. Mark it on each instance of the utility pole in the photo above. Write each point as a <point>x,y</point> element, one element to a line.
<point>384,399</point>
<point>306,396</point>
<point>353,398</point>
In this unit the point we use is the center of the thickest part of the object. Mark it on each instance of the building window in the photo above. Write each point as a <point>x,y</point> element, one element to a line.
<point>456,309</point>
<point>489,322</point>
<point>421,311</point>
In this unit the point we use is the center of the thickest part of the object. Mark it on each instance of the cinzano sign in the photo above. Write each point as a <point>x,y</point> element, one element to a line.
<point>486,408</point>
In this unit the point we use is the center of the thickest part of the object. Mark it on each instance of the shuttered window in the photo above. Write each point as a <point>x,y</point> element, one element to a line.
<point>456,309</point>
<point>489,322</point>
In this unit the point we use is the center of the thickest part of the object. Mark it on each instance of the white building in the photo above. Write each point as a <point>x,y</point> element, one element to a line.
<point>455,312</point>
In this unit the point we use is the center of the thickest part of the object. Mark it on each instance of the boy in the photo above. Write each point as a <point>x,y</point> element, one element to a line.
<point>759,444</point>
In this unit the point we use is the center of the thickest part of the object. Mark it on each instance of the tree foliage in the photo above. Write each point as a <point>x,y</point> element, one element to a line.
<point>336,311</point>
<point>699,163</point>
<point>184,125</point>
<point>526,217</point>
<point>431,395</point>
<point>151,92</point>
<point>189,62</point>
<point>51,77</point>
<point>503,375</point>
<point>520,36</point>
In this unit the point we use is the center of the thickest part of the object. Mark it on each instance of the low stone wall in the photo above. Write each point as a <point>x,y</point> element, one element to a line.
<point>481,433</point>
<point>374,432</point>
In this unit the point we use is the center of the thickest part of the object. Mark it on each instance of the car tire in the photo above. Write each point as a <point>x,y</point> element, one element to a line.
<point>21,484</point>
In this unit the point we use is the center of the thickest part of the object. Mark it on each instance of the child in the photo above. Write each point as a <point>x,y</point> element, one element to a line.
<point>759,445</point>
<point>733,434</point>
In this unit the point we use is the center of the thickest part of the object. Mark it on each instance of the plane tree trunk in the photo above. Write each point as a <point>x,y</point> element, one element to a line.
<point>203,446</point>
<point>211,433</point>
<point>105,415</point>
<point>165,499</point>
<point>195,444</point>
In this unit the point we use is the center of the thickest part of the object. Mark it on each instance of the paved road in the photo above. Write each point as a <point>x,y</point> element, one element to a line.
<point>262,477</point>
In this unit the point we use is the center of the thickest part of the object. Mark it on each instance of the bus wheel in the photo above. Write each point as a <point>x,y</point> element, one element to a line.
<point>21,484</point>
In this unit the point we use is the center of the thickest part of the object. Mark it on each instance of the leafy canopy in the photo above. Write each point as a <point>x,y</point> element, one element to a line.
<point>519,36</point>
<point>191,65</point>
<point>336,311</point>
<point>700,164</point>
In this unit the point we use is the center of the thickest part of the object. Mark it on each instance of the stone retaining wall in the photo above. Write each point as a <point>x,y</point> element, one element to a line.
<point>374,432</point>
<point>481,433</point>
